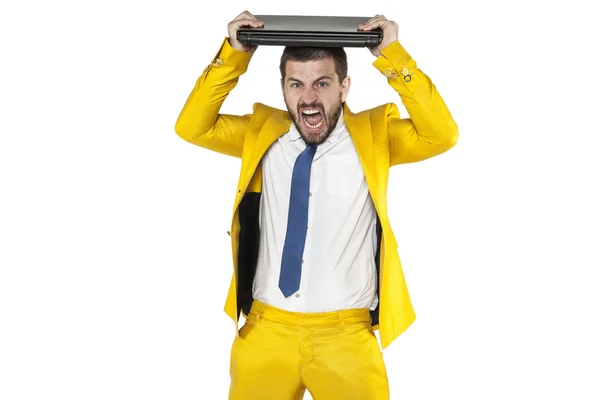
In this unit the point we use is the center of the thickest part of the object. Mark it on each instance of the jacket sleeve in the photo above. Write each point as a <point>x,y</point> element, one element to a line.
<point>199,121</point>
<point>430,130</point>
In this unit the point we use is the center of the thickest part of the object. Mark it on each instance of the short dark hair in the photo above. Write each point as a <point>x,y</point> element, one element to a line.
<point>304,54</point>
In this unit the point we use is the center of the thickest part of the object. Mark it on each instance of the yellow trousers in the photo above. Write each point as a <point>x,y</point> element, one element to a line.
<point>280,354</point>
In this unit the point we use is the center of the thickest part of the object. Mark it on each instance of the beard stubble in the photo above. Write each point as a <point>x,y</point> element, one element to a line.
<point>331,119</point>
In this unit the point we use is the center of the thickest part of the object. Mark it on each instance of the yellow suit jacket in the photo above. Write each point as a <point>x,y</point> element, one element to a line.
<point>382,139</point>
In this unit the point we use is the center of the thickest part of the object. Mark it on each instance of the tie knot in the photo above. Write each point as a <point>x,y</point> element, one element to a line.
<point>309,153</point>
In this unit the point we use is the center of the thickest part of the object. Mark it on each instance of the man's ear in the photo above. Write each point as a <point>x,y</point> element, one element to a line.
<point>345,88</point>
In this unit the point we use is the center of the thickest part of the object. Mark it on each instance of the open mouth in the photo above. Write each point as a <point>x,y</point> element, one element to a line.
<point>313,119</point>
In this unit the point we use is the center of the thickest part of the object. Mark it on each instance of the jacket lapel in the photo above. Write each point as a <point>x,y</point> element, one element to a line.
<point>276,125</point>
<point>359,128</point>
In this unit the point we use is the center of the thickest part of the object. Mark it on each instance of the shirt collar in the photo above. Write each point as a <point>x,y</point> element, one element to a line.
<point>340,127</point>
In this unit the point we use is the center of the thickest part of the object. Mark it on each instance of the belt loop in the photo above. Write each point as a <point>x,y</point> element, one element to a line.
<point>259,316</point>
<point>342,321</point>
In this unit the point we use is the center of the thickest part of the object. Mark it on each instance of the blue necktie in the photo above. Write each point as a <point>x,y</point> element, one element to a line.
<point>293,248</point>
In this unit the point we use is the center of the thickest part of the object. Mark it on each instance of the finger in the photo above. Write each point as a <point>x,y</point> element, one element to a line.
<point>367,22</point>
<point>380,23</point>
<point>246,15</point>
<point>253,17</point>
<point>370,23</point>
<point>245,22</point>
<point>376,18</point>
<point>373,25</point>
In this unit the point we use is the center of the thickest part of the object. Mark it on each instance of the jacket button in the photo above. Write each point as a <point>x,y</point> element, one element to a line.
<point>388,73</point>
<point>229,233</point>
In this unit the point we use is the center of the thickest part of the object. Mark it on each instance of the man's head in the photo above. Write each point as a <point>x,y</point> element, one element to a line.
<point>314,82</point>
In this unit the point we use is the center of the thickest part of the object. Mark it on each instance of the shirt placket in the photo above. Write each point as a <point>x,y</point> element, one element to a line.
<point>308,259</point>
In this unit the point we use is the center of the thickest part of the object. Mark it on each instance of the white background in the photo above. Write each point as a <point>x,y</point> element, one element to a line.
<point>114,256</point>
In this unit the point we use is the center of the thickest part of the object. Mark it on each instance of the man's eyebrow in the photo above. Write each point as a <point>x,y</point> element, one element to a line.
<point>289,78</point>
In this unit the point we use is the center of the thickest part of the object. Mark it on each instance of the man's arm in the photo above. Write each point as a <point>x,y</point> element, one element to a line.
<point>199,121</point>
<point>430,130</point>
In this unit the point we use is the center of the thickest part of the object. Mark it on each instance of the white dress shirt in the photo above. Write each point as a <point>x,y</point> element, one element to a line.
<point>338,270</point>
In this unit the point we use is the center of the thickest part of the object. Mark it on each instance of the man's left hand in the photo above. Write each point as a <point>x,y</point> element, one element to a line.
<point>389,28</point>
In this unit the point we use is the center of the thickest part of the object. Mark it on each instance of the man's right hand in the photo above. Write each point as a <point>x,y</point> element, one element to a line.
<point>244,19</point>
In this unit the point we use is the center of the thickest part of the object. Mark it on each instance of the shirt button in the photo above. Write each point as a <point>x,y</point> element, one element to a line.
<point>303,261</point>
<point>297,295</point>
<point>309,194</point>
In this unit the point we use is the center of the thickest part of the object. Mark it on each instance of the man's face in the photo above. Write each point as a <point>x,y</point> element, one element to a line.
<point>314,97</point>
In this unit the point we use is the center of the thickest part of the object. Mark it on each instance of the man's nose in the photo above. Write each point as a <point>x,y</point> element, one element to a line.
<point>309,95</point>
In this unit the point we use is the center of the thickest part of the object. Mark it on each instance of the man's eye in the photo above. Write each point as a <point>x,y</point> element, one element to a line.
<point>295,85</point>
<point>322,84</point>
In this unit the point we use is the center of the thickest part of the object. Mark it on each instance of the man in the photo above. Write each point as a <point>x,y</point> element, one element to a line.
<point>316,267</point>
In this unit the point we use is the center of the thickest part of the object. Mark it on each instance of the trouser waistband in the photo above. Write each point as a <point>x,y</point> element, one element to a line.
<point>260,310</point>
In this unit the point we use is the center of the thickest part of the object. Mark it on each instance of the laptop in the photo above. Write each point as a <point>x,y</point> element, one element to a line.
<point>310,31</point>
